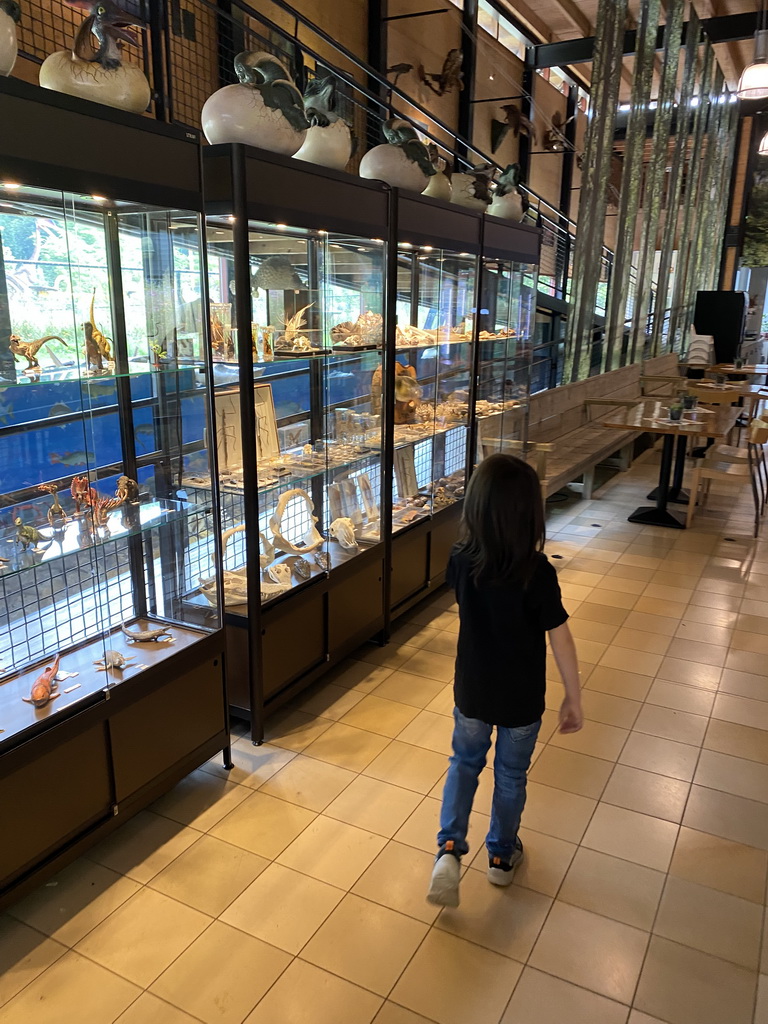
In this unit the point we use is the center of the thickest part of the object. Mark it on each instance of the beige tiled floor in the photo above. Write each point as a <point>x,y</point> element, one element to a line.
<point>291,889</point>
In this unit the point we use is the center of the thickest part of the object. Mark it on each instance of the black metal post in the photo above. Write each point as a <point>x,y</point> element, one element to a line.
<point>566,184</point>
<point>526,108</point>
<point>7,362</point>
<point>231,41</point>
<point>388,356</point>
<point>474,363</point>
<point>159,35</point>
<point>124,403</point>
<point>243,319</point>
<point>469,64</point>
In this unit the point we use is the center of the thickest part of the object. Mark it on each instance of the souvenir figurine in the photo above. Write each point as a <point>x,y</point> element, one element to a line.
<point>99,73</point>
<point>328,142</point>
<point>127,490</point>
<point>94,337</point>
<point>43,687</point>
<point>57,517</point>
<point>402,161</point>
<point>28,349</point>
<point>113,660</point>
<point>27,535</point>
<point>146,636</point>
<point>265,109</point>
<point>10,15</point>
<point>81,489</point>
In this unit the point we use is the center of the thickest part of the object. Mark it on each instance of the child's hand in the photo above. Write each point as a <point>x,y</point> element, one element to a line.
<point>570,716</point>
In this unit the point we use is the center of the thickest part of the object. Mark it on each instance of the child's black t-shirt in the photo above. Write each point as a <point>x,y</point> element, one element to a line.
<point>501,661</point>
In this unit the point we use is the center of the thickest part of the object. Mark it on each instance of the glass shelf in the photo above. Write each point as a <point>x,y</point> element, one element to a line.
<point>80,534</point>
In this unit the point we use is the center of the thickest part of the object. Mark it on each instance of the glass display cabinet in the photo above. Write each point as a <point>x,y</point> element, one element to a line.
<point>465,295</point>
<point>296,259</point>
<point>505,324</point>
<point>438,257</point>
<point>105,632</point>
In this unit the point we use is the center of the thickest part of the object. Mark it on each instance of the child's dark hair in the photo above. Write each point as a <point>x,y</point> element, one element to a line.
<point>503,523</point>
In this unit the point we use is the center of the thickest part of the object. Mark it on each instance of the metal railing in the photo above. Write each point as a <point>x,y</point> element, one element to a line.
<point>188,53</point>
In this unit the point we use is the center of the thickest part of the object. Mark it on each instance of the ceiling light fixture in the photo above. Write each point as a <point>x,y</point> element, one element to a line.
<point>753,84</point>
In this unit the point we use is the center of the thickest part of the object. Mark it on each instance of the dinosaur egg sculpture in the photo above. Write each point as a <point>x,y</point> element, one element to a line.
<point>391,164</point>
<point>439,187</point>
<point>463,192</point>
<point>509,206</point>
<point>125,88</point>
<point>264,109</point>
<point>10,13</point>
<point>94,69</point>
<point>330,146</point>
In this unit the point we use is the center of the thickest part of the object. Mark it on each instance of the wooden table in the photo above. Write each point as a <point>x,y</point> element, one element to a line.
<point>650,416</point>
<point>748,371</point>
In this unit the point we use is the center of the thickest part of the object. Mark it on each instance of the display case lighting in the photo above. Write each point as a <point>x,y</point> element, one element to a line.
<point>11,184</point>
<point>427,248</point>
<point>231,219</point>
<point>281,227</point>
<point>406,245</point>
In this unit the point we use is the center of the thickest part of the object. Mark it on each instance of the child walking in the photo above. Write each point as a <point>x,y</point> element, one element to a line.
<point>509,600</point>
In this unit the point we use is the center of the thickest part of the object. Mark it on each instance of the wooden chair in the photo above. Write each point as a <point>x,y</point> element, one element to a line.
<point>734,465</point>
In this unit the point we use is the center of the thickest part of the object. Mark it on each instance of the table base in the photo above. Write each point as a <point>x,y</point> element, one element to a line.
<point>650,515</point>
<point>677,495</point>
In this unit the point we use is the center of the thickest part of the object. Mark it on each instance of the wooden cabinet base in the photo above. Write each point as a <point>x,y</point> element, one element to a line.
<point>66,788</point>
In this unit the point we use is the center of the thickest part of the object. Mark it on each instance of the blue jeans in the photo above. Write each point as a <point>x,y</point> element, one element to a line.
<point>471,743</point>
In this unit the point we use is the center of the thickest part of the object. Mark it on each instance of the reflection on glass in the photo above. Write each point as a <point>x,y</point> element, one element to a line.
<point>316,337</point>
<point>436,304</point>
<point>103,410</point>
<point>508,298</point>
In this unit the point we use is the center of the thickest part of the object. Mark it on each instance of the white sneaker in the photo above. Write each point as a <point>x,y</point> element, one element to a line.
<point>444,884</point>
<point>501,872</point>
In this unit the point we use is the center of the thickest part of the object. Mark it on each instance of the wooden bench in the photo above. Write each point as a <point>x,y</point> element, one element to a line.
<point>565,439</point>
<point>564,423</point>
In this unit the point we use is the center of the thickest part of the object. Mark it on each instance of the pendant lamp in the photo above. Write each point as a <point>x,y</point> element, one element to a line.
<point>753,84</point>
